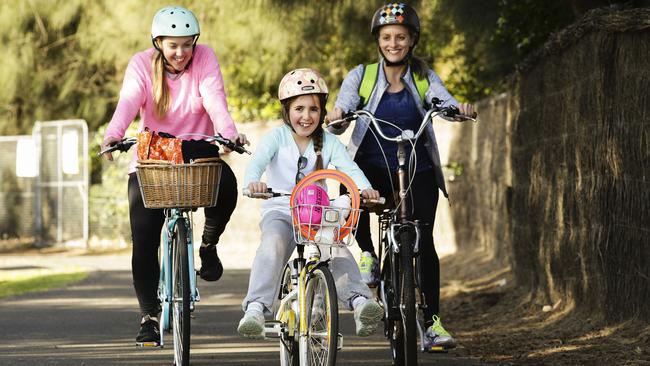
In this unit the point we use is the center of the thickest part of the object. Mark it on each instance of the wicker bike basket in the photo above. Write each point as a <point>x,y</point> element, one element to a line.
<point>166,185</point>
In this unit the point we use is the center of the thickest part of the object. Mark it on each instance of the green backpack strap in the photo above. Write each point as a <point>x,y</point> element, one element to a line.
<point>368,82</point>
<point>422,85</point>
<point>369,79</point>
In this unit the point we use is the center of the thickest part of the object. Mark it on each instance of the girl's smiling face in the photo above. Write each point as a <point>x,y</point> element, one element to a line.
<point>177,51</point>
<point>395,41</point>
<point>304,114</point>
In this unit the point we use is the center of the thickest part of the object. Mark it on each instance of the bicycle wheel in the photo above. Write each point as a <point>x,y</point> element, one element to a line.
<point>407,295</point>
<point>322,318</point>
<point>289,355</point>
<point>181,297</point>
<point>393,329</point>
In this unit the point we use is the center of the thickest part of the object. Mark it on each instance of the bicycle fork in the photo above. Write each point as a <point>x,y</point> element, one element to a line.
<point>165,295</point>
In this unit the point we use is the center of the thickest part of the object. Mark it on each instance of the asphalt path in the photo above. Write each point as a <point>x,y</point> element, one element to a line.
<point>94,322</point>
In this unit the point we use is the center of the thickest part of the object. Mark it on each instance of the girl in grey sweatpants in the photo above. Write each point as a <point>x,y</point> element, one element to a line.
<point>275,250</point>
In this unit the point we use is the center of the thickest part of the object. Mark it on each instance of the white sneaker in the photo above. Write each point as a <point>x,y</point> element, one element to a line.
<point>252,324</point>
<point>366,317</point>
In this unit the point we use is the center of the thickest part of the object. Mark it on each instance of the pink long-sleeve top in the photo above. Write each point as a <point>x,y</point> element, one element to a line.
<point>198,100</point>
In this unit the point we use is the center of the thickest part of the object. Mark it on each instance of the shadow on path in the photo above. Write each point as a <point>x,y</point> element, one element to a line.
<point>94,322</point>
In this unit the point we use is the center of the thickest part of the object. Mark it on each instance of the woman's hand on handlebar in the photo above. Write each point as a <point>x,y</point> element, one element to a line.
<point>240,140</point>
<point>108,142</point>
<point>336,114</point>
<point>467,109</point>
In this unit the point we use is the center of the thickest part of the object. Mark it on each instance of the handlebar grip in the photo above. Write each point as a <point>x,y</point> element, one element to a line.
<point>123,145</point>
<point>370,201</point>
<point>240,149</point>
<point>232,145</point>
<point>246,192</point>
<point>347,117</point>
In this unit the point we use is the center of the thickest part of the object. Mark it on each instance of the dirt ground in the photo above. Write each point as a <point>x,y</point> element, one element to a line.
<point>495,320</point>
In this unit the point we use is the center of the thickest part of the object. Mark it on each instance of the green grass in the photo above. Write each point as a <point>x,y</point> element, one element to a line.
<point>16,285</point>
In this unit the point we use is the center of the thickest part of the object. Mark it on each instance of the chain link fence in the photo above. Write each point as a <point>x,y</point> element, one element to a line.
<point>17,177</point>
<point>44,189</point>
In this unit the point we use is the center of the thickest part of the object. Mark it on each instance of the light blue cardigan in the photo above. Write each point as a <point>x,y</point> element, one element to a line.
<point>277,156</point>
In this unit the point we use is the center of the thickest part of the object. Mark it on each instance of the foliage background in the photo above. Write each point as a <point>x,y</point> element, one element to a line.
<point>68,56</point>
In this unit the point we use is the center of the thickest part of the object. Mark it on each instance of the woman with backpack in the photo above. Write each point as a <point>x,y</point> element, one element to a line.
<point>403,87</point>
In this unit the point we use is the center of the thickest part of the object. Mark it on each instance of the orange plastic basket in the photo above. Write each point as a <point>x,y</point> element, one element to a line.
<point>306,232</point>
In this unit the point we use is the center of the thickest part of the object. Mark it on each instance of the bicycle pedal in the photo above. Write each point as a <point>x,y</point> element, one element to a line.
<point>339,342</point>
<point>273,329</point>
<point>437,349</point>
<point>148,344</point>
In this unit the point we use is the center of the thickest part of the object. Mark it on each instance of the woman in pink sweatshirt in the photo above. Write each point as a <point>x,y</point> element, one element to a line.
<point>177,88</point>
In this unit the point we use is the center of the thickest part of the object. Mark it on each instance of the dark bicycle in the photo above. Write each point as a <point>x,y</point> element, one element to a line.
<point>399,289</point>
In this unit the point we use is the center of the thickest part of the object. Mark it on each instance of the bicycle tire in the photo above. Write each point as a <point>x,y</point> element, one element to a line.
<point>393,329</point>
<point>164,287</point>
<point>322,317</point>
<point>289,355</point>
<point>181,296</point>
<point>409,323</point>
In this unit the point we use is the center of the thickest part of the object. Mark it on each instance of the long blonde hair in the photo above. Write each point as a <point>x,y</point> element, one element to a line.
<point>161,95</point>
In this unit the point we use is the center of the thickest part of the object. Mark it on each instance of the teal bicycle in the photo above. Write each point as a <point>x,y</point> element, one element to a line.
<point>178,189</point>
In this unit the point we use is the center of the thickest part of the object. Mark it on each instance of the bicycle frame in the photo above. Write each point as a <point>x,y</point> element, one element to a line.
<point>399,238</point>
<point>178,275</point>
<point>291,320</point>
<point>389,245</point>
<point>165,295</point>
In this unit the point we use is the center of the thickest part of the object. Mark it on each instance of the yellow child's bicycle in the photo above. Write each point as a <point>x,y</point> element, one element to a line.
<point>306,318</point>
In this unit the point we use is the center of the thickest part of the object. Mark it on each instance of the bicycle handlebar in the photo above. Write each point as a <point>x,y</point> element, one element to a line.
<point>265,195</point>
<point>123,145</point>
<point>450,113</point>
<point>232,145</point>
<point>126,143</point>
<point>270,194</point>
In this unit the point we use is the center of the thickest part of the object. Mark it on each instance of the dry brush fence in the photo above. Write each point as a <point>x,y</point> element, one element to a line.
<point>558,170</point>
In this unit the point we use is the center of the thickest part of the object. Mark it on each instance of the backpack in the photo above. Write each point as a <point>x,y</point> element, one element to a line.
<point>369,80</point>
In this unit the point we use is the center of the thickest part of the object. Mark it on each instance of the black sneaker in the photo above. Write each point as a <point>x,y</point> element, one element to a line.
<point>211,267</point>
<point>149,333</point>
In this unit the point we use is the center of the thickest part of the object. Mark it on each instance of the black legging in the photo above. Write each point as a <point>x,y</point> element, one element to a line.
<point>146,225</point>
<point>424,192</point>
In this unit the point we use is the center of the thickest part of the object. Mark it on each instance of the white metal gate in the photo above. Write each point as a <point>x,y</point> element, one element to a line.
<point>62,182</point>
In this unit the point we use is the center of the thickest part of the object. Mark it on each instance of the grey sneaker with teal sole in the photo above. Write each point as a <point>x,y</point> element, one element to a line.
<point>436,336</point>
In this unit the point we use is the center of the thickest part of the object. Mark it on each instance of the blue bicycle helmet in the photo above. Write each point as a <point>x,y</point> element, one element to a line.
<point>174,21</point>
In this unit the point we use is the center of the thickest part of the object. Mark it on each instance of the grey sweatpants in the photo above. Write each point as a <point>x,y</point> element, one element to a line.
<point>274,251</point>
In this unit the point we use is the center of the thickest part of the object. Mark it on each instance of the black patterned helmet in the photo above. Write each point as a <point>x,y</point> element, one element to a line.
<point>396,13</point>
